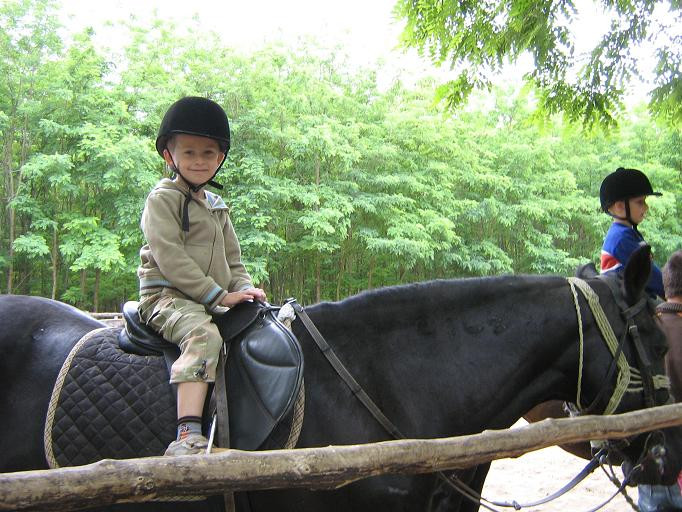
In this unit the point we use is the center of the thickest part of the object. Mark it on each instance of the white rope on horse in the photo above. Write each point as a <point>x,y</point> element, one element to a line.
<point>296,419</point>
<point>624,370</point>
<point>629,378</point>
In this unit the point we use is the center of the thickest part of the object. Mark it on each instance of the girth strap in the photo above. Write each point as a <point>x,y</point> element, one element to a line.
<point>222,415</point>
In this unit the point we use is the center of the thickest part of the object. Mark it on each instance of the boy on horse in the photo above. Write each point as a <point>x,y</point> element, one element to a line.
<point>623,196</point>
<point>191,265</point>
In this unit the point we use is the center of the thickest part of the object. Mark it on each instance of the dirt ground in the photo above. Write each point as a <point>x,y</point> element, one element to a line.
<point>540,473</point>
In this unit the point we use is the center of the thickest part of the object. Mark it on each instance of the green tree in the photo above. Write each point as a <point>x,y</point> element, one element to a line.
<point>334,185</point>
<point>477,39</point>
<point>29,44</point>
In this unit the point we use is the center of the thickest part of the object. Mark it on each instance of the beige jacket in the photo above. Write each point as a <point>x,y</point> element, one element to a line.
<point>202,264</point>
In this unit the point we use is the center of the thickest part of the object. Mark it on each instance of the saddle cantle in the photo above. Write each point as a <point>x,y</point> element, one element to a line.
<point>137,338</point>
<point>264,367</point>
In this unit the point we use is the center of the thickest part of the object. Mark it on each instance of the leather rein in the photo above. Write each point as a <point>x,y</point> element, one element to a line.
<point>599,458</point>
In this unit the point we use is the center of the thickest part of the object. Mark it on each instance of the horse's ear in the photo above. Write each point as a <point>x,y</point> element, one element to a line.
<point>586,270</point>
<point>636,274</point>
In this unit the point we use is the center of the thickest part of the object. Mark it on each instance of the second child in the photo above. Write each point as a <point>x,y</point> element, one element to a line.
<point>623,196</point>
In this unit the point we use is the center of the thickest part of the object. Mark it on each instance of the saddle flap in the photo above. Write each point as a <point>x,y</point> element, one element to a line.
<point>264,367</point>
<point>265,371</point>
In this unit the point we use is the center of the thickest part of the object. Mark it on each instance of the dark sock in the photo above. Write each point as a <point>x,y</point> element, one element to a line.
<point>188,425</point>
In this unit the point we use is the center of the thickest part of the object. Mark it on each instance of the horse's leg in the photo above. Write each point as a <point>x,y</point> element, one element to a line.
<point>476,483</point>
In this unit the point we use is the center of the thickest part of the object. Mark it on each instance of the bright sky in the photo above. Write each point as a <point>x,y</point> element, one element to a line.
<point>242,22</point>
<point>366,28</point>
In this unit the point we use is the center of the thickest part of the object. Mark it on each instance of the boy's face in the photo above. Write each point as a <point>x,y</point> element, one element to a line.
<point>197,158</point>
<point>638,208</point>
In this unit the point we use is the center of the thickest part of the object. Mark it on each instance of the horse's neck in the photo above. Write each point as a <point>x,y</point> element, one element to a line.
<point>515,350</point>
<point>465,355</point>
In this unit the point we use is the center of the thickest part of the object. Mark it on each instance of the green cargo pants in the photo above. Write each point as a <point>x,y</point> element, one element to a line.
<point>187,324</point>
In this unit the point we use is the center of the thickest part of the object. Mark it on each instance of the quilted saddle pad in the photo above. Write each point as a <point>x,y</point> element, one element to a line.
<point>108,404</point>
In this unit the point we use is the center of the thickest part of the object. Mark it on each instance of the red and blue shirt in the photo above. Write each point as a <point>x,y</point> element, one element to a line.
<point>619,244</point>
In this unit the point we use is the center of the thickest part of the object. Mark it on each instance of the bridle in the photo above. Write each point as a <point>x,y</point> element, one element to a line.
<point>640,379</point>
<point>629,380</point>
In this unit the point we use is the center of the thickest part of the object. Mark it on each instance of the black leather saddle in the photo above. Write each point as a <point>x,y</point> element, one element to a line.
<point>264,370</point>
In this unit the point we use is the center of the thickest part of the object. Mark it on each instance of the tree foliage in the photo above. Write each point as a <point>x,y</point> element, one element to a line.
<point>334,184</point>
<point>477,39</point>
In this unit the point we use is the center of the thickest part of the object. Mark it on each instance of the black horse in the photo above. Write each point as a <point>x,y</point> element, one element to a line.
<point>440,358</point>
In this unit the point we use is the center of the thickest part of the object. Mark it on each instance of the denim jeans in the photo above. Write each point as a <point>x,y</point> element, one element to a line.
<point>659,498</point>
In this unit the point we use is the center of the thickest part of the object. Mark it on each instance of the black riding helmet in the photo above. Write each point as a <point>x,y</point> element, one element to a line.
<point>193,115</point>
<point>624,184</point>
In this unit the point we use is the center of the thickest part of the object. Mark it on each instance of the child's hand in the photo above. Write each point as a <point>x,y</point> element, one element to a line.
<point>234,298</point>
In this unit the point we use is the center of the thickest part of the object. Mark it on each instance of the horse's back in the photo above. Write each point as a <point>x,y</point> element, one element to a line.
<point>36,338</point>
<point>21,314</point>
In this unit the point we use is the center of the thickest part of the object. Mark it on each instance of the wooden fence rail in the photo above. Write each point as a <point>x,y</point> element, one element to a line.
<point>158,478</point>
<point>110,319</point>
<point>106,316</point>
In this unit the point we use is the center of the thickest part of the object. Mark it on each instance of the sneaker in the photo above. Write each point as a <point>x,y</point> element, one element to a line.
<point>193,444</point>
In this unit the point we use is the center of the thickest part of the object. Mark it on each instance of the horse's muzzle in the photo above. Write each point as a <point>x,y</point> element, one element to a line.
<point>651,469</point>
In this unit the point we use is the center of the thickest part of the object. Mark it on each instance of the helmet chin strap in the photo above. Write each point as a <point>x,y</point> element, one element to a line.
<point>628,216</point>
